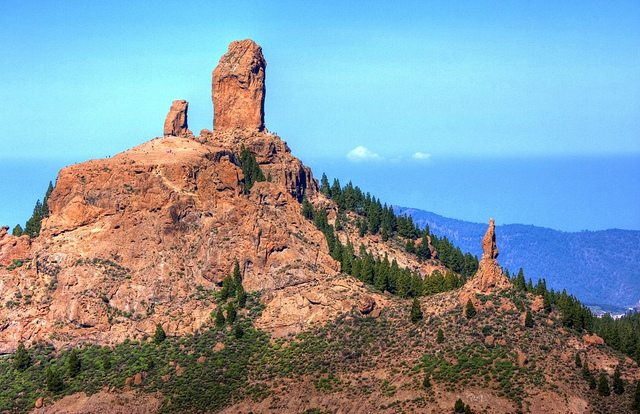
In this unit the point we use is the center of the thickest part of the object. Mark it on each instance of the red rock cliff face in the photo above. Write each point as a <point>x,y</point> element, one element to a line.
<point>238,88</point>
<point>147,231</point>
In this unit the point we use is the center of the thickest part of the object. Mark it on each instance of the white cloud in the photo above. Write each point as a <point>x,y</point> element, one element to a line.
<point>361,153</point>
<point>421,156</point>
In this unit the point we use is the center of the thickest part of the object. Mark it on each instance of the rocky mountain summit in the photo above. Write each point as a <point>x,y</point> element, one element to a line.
<point>143,245</point>
<point>134,240</point>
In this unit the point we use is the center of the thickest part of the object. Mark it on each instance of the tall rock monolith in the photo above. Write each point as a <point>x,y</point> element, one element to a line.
<point>490,276</point>
<point>175,124</point>
<point>238,88</point>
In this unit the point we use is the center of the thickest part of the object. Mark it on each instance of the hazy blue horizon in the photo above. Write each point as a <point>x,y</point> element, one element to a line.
<point>563,193</point>
<point>409,91</point>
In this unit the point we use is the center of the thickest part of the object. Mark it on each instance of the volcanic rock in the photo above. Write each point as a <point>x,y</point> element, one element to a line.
<point>366,304</point>
<point>175,124</point>
<point>489,248</point>
<point>489,276</point>
<point>12,247</point>
<point>238,88</point>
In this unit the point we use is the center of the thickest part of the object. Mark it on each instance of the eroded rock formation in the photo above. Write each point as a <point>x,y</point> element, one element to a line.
<point>489,248</point>
<point>12,247</point>
<point>489,275</point>
<point>238,88</point>
<point>175,124</point>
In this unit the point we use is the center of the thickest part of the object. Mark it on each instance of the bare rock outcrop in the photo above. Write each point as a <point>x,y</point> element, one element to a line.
<point>366,304</point>
<point>12,247</point>
<point>489,276</point>
<point>175,124</point>
<point>489,248</point>
<point>238,88</point>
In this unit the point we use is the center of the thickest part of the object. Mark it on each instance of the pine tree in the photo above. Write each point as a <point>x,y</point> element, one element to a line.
<point>426,382</point>
<point>636,398</point>
<point>307,208</point>
<point>32,228</point>
<point>603,386</point>
<point>470,311</point>
<point>528,320</point>
<point>53,381</point>
<point>458,406</point>
<point>17,230</point>
<point>617,384</point>
<point>21,358</point>
<point>220,321</point>
<point>159,336</point>
<point>416,312</point>
<point>241,296</point>
<point>237,275</point>
<point>578,360</point>
<point>440,336</point>
<point>324,185</point>
<point>73,363</point>
<point>106,362</point>
<point>250,168</point>
<point>231,313</point>
<point>228,288</point>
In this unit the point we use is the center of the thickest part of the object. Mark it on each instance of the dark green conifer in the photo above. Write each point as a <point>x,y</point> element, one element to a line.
<point>458,407</point>
<point>231,313</point>
<point>241,296</point>
<point>21,358</point>
<point>53,381</point>
<point>220,321</point>
<point>470,310</point>
<point>440,336</point>
<point>426,382</point>
<point>17,230</point>
<point>228,288</point>
<point>237,275</point>
<point>106,362</point>
<point>324,185</point>
<point>416,312</point>
<point>159,336</point>
<point>603,386</point>
<point>73,363</point>
<point>617,383</point>
<point>578,360</point>
<point>307,208</point>
<point>636,398</point>
<point>528,320</point>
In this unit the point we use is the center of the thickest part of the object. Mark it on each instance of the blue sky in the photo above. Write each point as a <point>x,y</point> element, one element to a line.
<point>388,82</point>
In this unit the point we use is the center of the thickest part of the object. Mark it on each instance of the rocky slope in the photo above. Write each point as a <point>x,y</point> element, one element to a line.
<point>148,236</point>
<point>136,239</point>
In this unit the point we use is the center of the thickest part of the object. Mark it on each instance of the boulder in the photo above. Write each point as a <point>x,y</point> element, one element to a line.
<point>366,304</point>
<point>238,88</point>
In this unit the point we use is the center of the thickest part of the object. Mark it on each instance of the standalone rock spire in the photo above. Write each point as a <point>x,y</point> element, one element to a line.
<point>489,248</point>
<point>489,275</point>
<point>237,88</point>
<point>175,124</point>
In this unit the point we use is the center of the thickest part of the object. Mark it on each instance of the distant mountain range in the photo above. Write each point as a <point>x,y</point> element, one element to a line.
<point>598,267</point>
